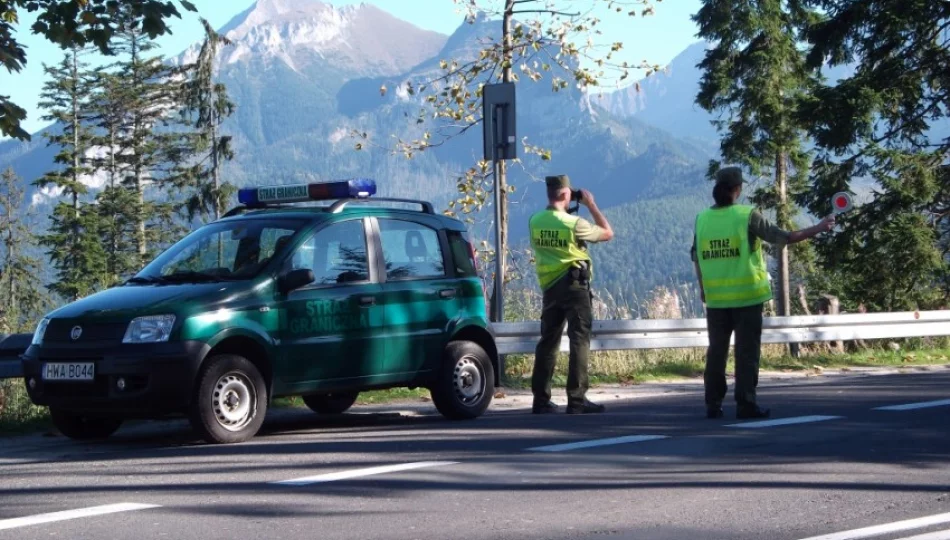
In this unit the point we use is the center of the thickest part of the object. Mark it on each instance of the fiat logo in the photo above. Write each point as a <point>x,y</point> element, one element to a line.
<point>76,332</point>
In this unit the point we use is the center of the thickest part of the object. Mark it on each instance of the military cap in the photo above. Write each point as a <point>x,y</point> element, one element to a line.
<point>560,181</point>
<point>730,176</point>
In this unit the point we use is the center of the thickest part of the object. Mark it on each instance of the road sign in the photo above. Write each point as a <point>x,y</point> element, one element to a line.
<point>841,203</point>
<point>498,121</point>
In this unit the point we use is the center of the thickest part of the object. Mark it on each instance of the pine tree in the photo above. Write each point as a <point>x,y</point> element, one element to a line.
<point>207,106</point>
<point>757,76</point>
<point>22,300</point>
<point>116,203</point>
<point>874,127</point>
<point>73,245</point>
<point>150,145</point>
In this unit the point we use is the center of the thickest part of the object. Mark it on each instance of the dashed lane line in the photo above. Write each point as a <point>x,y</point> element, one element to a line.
<point>889,528</point>
<point>912,406</point>
<point>783,422</point>
<point>597,442</point>
<point>72,514</point>
<point>359,473</point>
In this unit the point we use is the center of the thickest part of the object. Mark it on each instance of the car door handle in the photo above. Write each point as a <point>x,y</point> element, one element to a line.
<point>367,300</point>
<point>447,293</point>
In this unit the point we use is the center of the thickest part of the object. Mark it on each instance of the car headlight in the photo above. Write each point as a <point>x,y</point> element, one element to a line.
<point>40,332</point>
<point>151,329</point>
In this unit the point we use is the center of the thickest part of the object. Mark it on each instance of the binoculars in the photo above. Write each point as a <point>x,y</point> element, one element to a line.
<point>576,197</point>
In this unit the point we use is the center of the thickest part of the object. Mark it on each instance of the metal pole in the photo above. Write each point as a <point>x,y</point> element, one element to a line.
<point>499,312</point>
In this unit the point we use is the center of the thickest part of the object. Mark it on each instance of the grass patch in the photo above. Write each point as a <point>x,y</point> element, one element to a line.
<point>17,412</point>
<point>372,397</point>
<point>868,358</point>
<point>634,367</point>
<point>393,394</point>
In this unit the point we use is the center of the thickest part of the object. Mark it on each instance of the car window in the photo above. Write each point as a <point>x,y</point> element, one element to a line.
<point>336,254</point>
<point>410,250</point>
<point>235,249</point>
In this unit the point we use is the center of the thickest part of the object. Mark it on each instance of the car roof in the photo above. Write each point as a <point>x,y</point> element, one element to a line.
<point>322,213</point>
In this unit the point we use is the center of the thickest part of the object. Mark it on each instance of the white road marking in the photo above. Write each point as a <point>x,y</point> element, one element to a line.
<point>912,406</point>
<point>784,421</point>
<point>358,473</point>
<point>939,535</point>
<point>596,442</point>
<point>72,514</point>
<point>887,528</point>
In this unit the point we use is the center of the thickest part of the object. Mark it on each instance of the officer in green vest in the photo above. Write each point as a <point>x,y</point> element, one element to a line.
<point>734,284</point>
<point>564,269</point>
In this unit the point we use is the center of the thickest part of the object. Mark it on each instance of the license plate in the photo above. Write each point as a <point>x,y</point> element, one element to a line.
<point>85,371</point>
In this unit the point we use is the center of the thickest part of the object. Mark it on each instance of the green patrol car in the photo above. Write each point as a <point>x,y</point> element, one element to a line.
<point>275,299</point>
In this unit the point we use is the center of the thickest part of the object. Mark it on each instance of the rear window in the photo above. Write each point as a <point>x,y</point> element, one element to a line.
<point>463,256</point>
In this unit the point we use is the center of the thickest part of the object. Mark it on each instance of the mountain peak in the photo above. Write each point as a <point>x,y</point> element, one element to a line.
<point>277,12</point>
<point>302,33</point>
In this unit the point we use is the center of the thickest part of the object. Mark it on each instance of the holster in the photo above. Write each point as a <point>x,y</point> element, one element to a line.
<point>581,275</point>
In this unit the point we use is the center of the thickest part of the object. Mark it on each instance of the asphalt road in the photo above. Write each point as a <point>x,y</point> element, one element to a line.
<point>651,468</point>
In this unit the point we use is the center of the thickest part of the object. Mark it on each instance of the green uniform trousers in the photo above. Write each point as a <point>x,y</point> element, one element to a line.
<point>746,322</point>
<point>568,300</point>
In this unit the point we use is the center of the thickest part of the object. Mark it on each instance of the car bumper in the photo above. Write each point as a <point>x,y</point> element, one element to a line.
<point>158,378</point>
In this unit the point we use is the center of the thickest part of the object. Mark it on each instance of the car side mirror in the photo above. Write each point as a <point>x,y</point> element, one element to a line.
<point>295,279</point>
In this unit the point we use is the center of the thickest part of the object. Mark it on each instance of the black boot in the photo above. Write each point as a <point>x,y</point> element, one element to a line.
<point>748,412</point>
<point>544,408</point>
<point>713,411</point>
<point>587,407</point>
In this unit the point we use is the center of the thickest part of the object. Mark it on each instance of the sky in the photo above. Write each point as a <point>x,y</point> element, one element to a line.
<point>657,39</point>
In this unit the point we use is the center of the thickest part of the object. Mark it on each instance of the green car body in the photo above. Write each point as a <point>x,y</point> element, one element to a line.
<point>406,311</point>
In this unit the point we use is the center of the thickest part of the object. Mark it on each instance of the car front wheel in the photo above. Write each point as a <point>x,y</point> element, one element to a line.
<point>230,400</point>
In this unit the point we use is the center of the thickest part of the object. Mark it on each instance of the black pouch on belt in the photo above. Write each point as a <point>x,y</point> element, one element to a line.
<point>581,275</point>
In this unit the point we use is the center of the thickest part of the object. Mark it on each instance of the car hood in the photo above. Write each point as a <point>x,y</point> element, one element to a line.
<point>125,302</point>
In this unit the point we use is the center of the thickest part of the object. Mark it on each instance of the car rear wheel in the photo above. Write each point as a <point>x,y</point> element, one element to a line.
<point>230,400</point>
<point>335,403</point>
<point>465,385</point>
<point>81,427</point>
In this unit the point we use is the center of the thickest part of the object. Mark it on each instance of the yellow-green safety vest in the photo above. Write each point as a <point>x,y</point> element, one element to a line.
<point>555,246</point>
<point>733,271</point>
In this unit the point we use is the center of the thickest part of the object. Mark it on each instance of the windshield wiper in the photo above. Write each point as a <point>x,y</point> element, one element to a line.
<point>197,277</point>
<point>191,276</point>
<point>143,280</point>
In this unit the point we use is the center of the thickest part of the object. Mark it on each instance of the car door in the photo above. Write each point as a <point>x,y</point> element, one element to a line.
<point>331,328</point>
<point>419,296</point>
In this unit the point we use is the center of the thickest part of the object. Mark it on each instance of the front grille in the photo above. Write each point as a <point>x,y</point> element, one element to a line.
<point>59,331</point>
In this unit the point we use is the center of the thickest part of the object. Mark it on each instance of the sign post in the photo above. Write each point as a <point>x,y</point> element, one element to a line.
<point>841,203</point>
<point>498,117</point>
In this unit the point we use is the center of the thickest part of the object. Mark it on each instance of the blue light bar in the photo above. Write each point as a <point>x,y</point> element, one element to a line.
<point>345,189</point>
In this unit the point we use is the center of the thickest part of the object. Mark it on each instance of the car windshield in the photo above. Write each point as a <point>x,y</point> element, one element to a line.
<point>224,251</point>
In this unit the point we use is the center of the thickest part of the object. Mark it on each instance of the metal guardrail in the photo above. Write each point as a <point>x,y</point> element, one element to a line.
<point>521,338</point>
<point>11,347</point>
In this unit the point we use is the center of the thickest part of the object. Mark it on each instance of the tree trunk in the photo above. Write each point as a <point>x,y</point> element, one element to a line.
<point>782,216</point>
<point>113,232</point>
<point>784,221</point>
<point>76,150</point>
<point>214,169</point>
